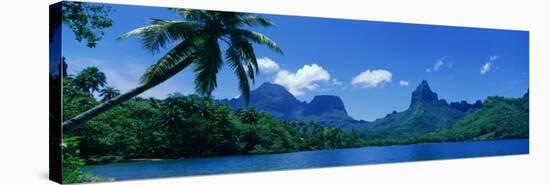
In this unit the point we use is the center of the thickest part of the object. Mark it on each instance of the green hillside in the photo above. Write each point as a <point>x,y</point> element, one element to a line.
<point>427,113</point>
<point>499,118</point>
<point>420,119</point>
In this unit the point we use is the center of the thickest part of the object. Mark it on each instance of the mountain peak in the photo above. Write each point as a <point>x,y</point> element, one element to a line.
<point>325,103</point>
<point>423,94</point>
<point>280,103</point>
<point>424,83</point>
<point>272,98</point>
<point>270,86</point>
<point>271,89</point>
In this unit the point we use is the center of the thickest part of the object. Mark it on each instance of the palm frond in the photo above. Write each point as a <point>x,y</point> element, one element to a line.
<point>254,20</point>
<point>252,62</point>
<point>259,38</point>
<point>201,16</point>
<point>234,56</point>
<point>160,32</point>
<point>248,55</point>
<point>209,63</point>
<point>174,57</point>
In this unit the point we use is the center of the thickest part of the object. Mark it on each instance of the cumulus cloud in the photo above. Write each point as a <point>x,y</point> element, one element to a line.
<point>485,68</point>
<point>267,65</point>
<point>374,78</point>
<point>306,78</point>
<point>403,83</point>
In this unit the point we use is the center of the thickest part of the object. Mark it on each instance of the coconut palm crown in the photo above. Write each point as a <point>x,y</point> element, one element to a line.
<point>197,39</point>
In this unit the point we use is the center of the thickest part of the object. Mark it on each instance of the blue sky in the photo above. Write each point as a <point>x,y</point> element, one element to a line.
<point>372,66</point>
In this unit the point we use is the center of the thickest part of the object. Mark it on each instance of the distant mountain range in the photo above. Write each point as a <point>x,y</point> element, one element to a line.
<point>277,101</point>
<point>426,113</point>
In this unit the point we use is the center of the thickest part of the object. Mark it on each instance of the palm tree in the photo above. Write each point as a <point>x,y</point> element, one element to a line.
<point>197,41</point>
<point>248,115</point>
<point>172,111</point>
<point>89,80</point>
<point>108,93</point>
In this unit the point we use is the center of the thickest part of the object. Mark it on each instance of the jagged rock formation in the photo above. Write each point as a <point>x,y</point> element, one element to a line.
<point>423,94</point>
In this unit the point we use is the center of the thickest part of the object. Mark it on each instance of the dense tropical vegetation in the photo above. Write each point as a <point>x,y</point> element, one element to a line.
<point>499,118</point>
<point>193,126</point>
<point>188,126</point>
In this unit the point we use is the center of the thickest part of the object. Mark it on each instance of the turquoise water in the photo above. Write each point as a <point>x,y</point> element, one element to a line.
<point>309,159</point>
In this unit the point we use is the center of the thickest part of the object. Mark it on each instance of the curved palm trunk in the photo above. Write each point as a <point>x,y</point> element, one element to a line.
<point>80,119</point>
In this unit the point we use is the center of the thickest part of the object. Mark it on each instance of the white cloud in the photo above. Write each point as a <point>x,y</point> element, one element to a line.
<point>304,79</point>
<point>372,78</point>
<point>403,83</point>
<point>267,65</point>
<point>493,58</point>
<point>336,82</point>
<point>438,64</point>
<point>485,68</point>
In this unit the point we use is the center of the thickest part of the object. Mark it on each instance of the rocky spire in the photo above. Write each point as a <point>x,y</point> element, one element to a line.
<point>423,94</point>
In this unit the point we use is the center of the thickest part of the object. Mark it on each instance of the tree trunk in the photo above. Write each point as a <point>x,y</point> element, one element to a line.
<point>80,119</point>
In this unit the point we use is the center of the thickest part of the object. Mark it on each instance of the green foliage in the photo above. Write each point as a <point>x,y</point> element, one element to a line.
<point>419,119</point>
<point>194,126</point>
<point>190,126</point>
<point>248,116</point>
<point>196,39</point>
<point>86,20</point>
<point>75,100</point>
<point>72,165</point>
<point>108,93</point>
<point>500,118</point>
<point>89,80</point>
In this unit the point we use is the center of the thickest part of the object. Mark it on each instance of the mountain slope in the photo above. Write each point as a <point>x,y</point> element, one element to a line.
<point>271,98</point>
<point>326,108</point>
<point>499,118</point>
<point>425,114</point>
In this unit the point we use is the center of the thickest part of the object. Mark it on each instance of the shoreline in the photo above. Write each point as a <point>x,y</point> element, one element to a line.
<point>203,157</point>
